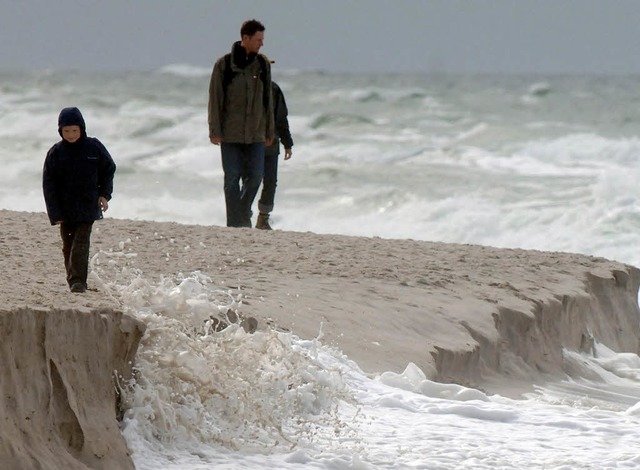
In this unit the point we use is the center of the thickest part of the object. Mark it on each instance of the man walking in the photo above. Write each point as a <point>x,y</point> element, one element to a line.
<point>241,119</point>
<point>270,180</point>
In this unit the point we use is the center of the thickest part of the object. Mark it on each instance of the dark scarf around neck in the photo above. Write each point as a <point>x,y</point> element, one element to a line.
<point>240,57</point>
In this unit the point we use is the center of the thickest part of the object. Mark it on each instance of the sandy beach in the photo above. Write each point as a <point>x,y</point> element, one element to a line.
<point>490,318</point>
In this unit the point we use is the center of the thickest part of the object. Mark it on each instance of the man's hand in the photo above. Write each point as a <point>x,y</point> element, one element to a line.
<point>287,154</point>
<point>215,140</point>
<point>103,203</point>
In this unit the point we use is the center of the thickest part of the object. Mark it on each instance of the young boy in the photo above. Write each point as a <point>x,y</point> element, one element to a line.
<point>77,181</point>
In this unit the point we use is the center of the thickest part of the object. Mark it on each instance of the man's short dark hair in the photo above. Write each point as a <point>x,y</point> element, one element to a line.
<point>251,27</point>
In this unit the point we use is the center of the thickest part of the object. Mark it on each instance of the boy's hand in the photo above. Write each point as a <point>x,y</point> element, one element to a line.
<point>103,203</point>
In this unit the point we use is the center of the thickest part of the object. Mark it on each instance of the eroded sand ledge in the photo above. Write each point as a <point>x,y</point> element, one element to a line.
<point>58,399</point>
<point>486,317</point>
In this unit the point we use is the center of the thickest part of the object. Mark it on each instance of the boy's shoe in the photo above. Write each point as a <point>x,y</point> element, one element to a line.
<point>263,222</point>
<point>78,287</point>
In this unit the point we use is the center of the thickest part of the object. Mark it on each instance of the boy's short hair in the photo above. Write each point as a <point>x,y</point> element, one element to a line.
<point>251,27</point>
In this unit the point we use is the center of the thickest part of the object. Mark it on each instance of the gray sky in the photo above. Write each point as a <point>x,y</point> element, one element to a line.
<point>469,36</point>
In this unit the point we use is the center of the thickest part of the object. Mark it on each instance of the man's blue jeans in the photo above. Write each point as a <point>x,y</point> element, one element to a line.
<point>242,163</point>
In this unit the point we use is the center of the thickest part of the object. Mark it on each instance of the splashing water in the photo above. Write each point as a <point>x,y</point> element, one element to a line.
<point>196,386</point>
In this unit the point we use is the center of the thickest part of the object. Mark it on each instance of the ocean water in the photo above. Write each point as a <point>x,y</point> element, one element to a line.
<point>548,163</point>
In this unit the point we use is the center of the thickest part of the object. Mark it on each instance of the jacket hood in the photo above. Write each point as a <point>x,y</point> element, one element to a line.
<point>71,117</point>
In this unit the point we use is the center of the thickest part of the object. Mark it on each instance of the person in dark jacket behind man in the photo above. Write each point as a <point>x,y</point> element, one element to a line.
<point>241,120</point>
<point>77,181</point>
<point>270,180</point>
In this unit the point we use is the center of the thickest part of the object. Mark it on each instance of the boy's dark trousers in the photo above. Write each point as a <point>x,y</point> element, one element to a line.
<point>75,247</point>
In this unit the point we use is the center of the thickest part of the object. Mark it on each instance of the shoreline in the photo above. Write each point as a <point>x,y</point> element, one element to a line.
<point>488,318</point>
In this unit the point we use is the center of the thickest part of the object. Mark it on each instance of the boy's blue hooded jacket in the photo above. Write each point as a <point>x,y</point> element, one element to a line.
<point>76,174</point>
